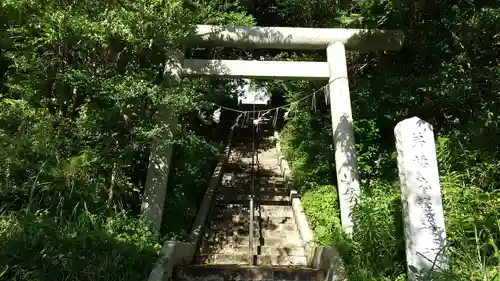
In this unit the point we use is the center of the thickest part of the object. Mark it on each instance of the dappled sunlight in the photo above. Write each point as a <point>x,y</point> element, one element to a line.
<point>227,234</point>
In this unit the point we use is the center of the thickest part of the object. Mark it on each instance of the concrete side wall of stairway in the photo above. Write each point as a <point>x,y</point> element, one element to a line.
<point>324,258</point>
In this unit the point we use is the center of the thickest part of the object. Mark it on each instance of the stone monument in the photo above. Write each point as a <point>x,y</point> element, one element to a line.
<point>424,228</point>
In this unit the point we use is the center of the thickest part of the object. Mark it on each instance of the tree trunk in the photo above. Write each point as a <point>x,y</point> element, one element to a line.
<point>111,190</point>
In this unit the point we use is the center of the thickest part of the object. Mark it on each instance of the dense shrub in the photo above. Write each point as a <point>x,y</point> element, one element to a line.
<point>39,247</point>
<point>376,249</point>
<point>446,75</point>
<point>80,85</point>
<point>321,208</point>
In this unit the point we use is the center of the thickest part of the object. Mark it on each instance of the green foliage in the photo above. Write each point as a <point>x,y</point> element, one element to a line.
<point>376,250</point>
<point>321,208</point>
<point>307,139</point>
<point>81,82</point>
<point>447,74</point>
<point>38,247</point>
<point>378,240</point>
<point>80,85</point>
<point>188,183</point>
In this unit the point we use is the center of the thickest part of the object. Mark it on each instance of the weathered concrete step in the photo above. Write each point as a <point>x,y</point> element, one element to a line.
<point>264,182</point>
<point>277,233</point>
<point>284,192</point>
<point>242,226</point>
<point>260,177</point>
<point>283,216</point>
<point>269,163</point>
<point>242,221</point>
<point>257,202</point>
<point>240,273</point>
<point>267,189</point>
<point>268,172</point>
<point>228,215</point>
<point>276,179</point>
<point>284,260</point>
<point>260,210</point>
<point>243,258</point>
<point>244,206</point>
<point>284,250</point>
<point>230,196</point>
<point>222,240</point>
<point>274,216</point>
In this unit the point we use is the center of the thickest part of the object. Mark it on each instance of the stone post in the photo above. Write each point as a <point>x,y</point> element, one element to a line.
<point>161,150</point>
<point>424,228</point>
<point>343,134</point>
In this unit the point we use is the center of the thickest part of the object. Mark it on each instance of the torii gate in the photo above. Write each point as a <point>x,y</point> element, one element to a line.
<point>333,40</point>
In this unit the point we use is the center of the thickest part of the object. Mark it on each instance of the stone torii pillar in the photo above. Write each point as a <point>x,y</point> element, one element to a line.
<point>334,41</point>
<point>160,158</point>
<point>343,134</point>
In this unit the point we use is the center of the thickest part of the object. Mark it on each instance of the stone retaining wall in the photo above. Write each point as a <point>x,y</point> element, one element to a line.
<point>319,257</point>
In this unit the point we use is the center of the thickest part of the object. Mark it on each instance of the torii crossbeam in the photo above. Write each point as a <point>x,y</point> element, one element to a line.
<point>334,41</point>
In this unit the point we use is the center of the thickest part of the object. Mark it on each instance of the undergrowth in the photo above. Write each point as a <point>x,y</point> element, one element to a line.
<point>38,247</point>
<point>376,250</point>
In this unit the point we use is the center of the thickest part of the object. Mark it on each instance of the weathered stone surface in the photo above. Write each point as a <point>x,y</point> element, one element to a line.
<point>241,222</point>
<point>343,134</point>
<point>261,273</point>
<point>326,259</point>
<point>425,234</point>
<point>259,197</point>
<point>284,260</point>
<point>244,218</point>
<point>283,250</point>
<point>297,38</point>
<point>242,258</point>
<point>276,240</point>
<point>161,151</point>
<point>224,239</point>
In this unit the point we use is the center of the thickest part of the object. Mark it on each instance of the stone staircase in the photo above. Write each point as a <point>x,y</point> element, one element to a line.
<point>278,251</point>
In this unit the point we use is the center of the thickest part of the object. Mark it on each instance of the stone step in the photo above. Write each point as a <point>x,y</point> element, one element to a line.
<point>272,235</point>
<point>242,220</point>
<point>245,179</point>
<point>284,250</point>
<point>283,260</point>
<point>260,210</point>
<point>244,225</point>
<point>235,259</point>
<point>269,183</point>
<point>265,219</point>
<point>243,258</point>
<point>274,216</point>
<point>240,273</point>
<point>269,164</point>
<point>282,215</point>
<point>232,197</point>
<point>261,175</point>
<point>262,185</point>
<point>222,240</point>
<point>258,201</point>
<point>270,220</point>
<point>264,233</point>
<point>267,174</point>
<point>245,207</point>
<point>276,180</point>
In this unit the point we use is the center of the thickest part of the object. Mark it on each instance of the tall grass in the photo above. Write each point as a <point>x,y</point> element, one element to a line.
<point>377,250</point>
<point>39,248</point>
